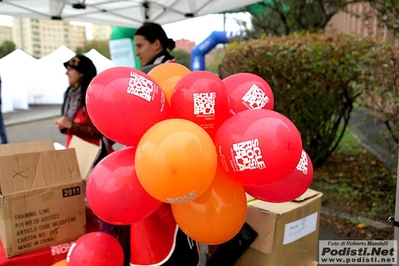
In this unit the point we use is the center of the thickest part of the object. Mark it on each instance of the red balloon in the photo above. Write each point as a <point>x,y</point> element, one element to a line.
<point>114,192</point>
<point>290,188</point>
<point>124,102</point>
<point>258,146</point>
<point>248,91</point>
<point>201,97</point>
<point>95,249</point>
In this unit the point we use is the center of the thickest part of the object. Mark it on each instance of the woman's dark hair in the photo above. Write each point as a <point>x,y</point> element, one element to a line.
<point>153,31</point>
<point>84,65</point>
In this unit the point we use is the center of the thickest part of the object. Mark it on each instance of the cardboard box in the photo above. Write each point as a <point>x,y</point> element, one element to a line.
<point>288,233</point>
<point>41,201</point>
<point>47,256</point>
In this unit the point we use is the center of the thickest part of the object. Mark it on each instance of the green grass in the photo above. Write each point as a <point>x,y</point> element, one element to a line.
<point>350,144</point>
<point>353,180</point>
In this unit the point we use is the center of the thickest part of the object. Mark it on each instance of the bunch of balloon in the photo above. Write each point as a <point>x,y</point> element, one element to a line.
<point>95,249</point>
<point>124,102</point>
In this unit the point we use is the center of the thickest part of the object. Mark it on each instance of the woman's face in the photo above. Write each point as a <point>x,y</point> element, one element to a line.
<point>74,77</point>
<point>145,50</point>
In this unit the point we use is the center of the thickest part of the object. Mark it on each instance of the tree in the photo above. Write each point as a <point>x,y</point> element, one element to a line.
<point>387,13</point>
<point>182,57</point>
<point>283,17</point>
<point>102,46</point>
<point>6,48</point>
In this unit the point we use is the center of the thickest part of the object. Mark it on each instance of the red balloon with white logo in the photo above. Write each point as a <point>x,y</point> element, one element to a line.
<point>124,102</point>
<point>201,97</point>
<point>290,188</point>
<point>258,146</point>
<point>248,91</point>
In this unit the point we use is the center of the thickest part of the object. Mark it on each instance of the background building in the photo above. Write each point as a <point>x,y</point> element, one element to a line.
<point>353,22</point>
<point>5,34</point>
<point>185,45</point>
<point>40,37</point>
<point>101,32</point>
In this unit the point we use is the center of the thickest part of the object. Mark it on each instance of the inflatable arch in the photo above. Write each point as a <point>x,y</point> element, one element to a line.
<point>198,53</point>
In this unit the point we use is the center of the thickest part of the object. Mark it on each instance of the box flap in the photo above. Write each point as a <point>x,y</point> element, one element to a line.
<point>34,146</point>
<point>309,193</point>
<point>86,153</point>
<point>38,170</point>
<point>284,207</point>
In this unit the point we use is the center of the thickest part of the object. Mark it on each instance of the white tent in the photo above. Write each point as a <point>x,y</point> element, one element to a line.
<point>127,13</point>
<point>16,70</point>
<point>50,81</point>
<point>101,62</point>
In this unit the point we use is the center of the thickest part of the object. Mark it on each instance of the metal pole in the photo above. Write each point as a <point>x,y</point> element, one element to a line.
<point>224,21</point>
<point>396,233</point>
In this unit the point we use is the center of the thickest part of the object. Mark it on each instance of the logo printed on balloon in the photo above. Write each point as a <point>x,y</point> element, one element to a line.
<point>141,87</point>
<point>204,105</point>
<point>303,163</point>
<point>248,155</point>
<point>60,249</point>
<point>183,199</point>
<point>255,98</point>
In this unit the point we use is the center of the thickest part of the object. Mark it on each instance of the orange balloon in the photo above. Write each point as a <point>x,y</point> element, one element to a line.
<point>61,263</point>
<point>167,75</point>
<point>216,216</point>
<point>176,161</point>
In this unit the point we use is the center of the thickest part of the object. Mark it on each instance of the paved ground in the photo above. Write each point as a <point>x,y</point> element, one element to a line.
<point>37,123</point>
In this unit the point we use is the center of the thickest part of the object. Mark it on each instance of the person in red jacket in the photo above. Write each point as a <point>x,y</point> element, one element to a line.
<point>75,120</point>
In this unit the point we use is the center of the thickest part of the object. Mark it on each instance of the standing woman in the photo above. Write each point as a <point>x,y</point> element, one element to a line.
<point>75,119</point>
<point>153,45</point>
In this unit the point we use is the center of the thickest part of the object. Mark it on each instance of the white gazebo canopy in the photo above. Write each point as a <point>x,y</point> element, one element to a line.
<point>126,13</point>
<point>16,71</point>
